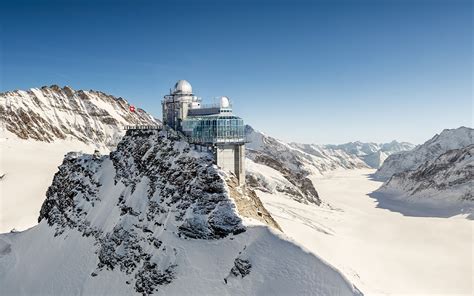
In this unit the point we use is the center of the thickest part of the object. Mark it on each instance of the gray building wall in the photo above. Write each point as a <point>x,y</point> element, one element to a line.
<point>175,109</point>
<point>231,157</point>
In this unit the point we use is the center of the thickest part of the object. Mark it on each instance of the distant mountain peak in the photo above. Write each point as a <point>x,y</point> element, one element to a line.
<point>289,166</point>
<point>440,143</point>
<point>448,177</point>
<point>57,113</point>
<point>371,153</point>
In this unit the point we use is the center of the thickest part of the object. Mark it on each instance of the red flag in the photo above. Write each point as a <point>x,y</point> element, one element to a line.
<point>132,108</point>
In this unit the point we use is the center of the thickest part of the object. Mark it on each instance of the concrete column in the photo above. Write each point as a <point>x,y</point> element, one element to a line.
<point>231,157</point>
<point>239,163</point>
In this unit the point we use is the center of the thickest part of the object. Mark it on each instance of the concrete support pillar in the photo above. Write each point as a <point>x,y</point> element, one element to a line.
<point>231,157</point>
<point>239,163</point>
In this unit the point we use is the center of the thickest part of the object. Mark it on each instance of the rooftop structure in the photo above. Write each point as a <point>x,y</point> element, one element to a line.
<point>183,87</point>
<point>177,103</point>
<point>212,126</point>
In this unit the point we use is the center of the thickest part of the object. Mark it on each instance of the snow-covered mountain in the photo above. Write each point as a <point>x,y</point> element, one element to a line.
<point>373,154</point>
<point>155,216</point>
<point>39,126</point>
<point>361,148</point>
<point>447,140</point>
<point>449,177</point>
<point>52,113</point>
<point>273,165</point>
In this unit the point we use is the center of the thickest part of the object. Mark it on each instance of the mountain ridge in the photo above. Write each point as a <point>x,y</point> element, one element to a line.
<point>289,167</point>
<point>373,154</point>
<point>449,177</point>
<point>154,217</point>
<point>52,112</point>
<point>440,143</point>
<point>38,127</point>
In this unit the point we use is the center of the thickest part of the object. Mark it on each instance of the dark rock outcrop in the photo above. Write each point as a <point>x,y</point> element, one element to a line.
<point>448,177</point>
<point>158,184</point>
<point>51,113</point>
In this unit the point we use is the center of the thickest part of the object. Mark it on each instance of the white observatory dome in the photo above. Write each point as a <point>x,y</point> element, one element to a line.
<point>183,87</point>
<point>225,102</point>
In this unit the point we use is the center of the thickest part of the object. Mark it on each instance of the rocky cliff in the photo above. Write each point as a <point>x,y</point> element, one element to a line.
<point>156,217</point>
<point>277,166</point>
<point>447,140</point>
<point>38,127</point>
<point>372,154</point>
<point>449,177</point>
<point>51,113</point>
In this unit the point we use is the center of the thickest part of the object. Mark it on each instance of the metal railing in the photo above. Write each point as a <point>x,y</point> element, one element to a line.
<point>142,127</point>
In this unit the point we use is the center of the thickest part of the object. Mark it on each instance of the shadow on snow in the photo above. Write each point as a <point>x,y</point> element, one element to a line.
<point>421,209</point>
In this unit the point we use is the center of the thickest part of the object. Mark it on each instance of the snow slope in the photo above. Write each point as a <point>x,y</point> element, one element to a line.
<point>317,162</point>
<point>154,217</point>
<point>449,177</point>
<point>275,166</point>
<point>293,164</point>
<point>448,139</point>
<point>38,127</point>
<point>424,251</point>
<point>372,154</point>
<point>28,169</point>
<point>50,113</point>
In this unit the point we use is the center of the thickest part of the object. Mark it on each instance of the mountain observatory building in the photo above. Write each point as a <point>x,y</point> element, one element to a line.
<point>212,127</point>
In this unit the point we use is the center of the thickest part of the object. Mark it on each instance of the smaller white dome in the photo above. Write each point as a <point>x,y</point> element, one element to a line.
<point>183,87</point>
<point>225,102</point>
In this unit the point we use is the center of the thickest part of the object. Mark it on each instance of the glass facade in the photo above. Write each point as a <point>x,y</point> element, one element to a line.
<point>214,129</point>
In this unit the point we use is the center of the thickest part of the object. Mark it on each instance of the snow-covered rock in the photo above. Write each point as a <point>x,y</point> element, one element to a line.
<point>449,177</point>
<point>51,113</point>
<point>376,159</point>
<point>447,140</point>
<point>379,245</point>
<point>289,166</point>
<point>328,158</point>
<point>154,217</point>
<point>38,127</point>
<point>373,154</point>
<point>395,147</point>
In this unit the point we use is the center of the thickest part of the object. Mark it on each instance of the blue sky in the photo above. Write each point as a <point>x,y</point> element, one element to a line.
<point>305,71</point>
